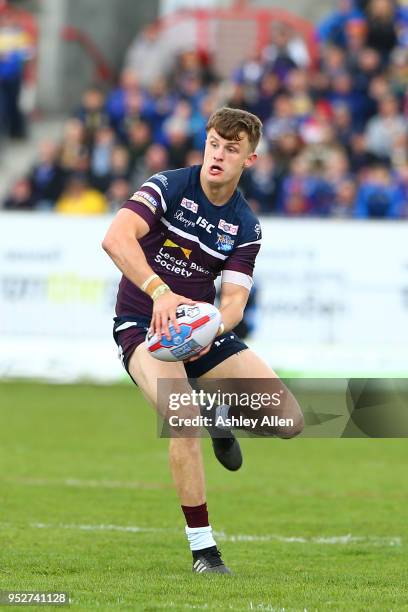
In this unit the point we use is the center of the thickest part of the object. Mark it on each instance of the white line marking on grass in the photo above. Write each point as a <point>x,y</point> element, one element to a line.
<point>123,528</point>
<point>224,537</point>
<point>346,539</point>
<point>88,484</point>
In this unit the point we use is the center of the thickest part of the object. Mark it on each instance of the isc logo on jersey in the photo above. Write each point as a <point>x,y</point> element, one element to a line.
<point>201,222</point>
<point>228,227</point>
<point>189,204</point>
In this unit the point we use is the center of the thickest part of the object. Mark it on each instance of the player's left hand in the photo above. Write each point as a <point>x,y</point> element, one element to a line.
<point>207,348</point>
<point>200,354</point>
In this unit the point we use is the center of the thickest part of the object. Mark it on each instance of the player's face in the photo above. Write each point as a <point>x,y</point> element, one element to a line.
<point>224,160</point>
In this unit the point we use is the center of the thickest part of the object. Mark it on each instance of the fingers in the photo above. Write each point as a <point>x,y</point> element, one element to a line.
<point>173,320</point>
<point>200,354</point>
<point>165,325</point>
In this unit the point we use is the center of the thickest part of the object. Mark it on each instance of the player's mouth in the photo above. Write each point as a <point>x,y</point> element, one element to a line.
<point>215,169</point>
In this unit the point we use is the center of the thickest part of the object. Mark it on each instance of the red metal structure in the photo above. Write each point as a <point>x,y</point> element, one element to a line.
<point>231,34</point>
<point>103,72</point>
<point>226,35</point>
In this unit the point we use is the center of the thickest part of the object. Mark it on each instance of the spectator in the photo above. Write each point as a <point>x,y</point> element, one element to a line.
<point>317,129</point>
<point>79,198</point>
<point>379,196</point>
<point>74,154</point>
<point>269,88</point>
<point>333,61</point>
<point>15,51</point>
<point>402,181</point>
<point>295,199</point>
<point>298,88</point>
<point>342,91</point>
<point>260,185</point>
<point>381,31</point>
<point>92,113</point>
<point>194,158</point>
<point>159,105</point>
<point>283,119</point>
<point>332,28</point>
<point>360,158</point>
<point>101,157</point>
<point>342,123</point>
<point>250,73</point>
<point>20,197</point>
<point>139,138</point>
<point>148,56</point>
<point>190,66</point>
<point>155,160</point>
<point>47,177</point>
<point>342,206</point>
<point>356,38</point>
<point>121,98</point>
<point>287,50</point>
<point>120,163</point>
<point>384,130</point>
<point>286,148</point>
<point>118,192</point>
<point>398,71</point>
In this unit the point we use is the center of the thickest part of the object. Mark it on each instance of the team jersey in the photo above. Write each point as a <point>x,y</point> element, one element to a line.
<point>191,241</point>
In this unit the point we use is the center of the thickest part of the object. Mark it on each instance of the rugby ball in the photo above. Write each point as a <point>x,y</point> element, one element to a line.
<point>198,327</point>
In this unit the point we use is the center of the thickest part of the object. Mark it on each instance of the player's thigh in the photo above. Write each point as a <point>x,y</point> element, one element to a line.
<point>245,372</point>
<point>150,374</point>
<point>245,364</point>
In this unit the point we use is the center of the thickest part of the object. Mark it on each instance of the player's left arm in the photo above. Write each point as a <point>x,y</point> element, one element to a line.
<point>232,304</point>
<point>236,284</point>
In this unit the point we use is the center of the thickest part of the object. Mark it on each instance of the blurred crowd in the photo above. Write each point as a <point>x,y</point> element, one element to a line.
<point>336,130</point>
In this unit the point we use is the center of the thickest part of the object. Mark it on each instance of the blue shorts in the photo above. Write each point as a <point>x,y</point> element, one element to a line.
<point>130,331</point>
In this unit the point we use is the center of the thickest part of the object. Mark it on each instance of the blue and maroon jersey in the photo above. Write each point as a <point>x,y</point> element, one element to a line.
<point>191,241</point>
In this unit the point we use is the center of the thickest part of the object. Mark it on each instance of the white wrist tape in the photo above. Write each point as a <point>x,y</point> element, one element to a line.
<point>148,281</point>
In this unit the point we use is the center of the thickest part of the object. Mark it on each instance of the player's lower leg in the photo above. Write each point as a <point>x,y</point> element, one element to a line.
<point>188,473</point>
<point>226,446</point>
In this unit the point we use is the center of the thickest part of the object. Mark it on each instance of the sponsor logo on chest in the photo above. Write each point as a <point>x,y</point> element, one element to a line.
<point>228,228</point>
<point>189,223</point>
<point>190,205</point>
<point>224,243</point>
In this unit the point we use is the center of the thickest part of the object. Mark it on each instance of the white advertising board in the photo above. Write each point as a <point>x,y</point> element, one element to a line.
<point>57,298</point>
<point>333,296</point>
<point>332,299</point>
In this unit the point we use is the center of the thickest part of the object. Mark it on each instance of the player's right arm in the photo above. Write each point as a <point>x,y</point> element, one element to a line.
<point>121,243</point>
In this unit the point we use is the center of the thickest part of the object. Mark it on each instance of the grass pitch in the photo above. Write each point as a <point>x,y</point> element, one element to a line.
<point>87,506</point>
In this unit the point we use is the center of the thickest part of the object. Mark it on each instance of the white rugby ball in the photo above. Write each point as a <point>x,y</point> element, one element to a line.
<point>198,327</point>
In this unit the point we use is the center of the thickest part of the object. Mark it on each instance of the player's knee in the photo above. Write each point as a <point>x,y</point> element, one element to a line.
<point>180,447</point>
<point>293,426</point>
<point>185,422</point>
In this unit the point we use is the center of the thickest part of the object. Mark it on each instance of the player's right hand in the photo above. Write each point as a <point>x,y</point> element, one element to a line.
<point>164,311</point>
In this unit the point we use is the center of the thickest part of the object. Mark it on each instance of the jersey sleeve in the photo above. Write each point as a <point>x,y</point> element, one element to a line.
<point>152,199</point>
<point>239,266</point>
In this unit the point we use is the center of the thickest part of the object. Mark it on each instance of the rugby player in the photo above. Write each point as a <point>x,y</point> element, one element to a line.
<point>170,240</point>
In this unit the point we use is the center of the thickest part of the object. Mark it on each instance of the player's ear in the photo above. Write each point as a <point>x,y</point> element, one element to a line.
<point>250,160</point>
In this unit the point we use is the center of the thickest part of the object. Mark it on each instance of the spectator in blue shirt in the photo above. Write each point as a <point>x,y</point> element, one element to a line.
<point>379,196</point>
